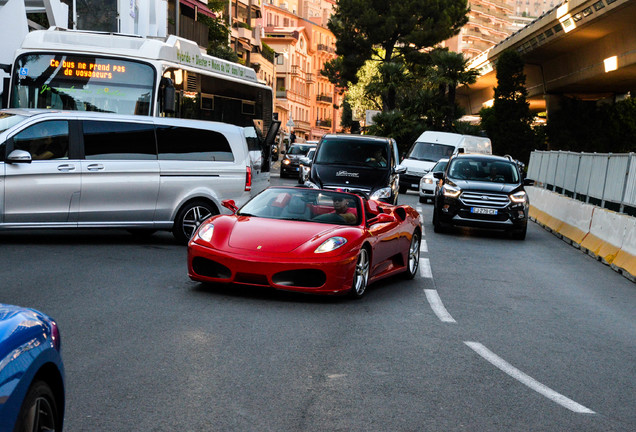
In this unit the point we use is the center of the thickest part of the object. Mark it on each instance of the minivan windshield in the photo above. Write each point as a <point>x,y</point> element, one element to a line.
<point>8,119</point>
<point>430,152</point>
<point>336,151</point>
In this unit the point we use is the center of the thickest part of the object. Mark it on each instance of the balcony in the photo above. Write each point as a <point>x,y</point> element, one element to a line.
<point>323,47</point>
<point>324,123</point>
<point>281,94</point>
<point>295,70</point>
<point>192,30</point>
<point>324,98</point>
<point>310,78</point>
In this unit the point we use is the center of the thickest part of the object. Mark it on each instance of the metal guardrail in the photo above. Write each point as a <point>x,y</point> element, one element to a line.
<point>604,179</point>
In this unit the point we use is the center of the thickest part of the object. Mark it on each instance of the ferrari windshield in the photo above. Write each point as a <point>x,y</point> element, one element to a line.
<point>309,205</point>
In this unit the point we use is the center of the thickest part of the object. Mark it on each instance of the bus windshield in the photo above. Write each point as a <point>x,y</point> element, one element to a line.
<point>82,83</point>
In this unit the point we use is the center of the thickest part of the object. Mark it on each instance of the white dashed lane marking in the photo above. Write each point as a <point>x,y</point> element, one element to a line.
<point>527,380</point>
<point>423,246</point>
<point>425,268</point>
<point>438,306</point>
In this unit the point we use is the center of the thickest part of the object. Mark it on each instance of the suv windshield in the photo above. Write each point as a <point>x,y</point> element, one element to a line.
<point>353,152</point>
<point>494,171</point>
<point>299,149</point>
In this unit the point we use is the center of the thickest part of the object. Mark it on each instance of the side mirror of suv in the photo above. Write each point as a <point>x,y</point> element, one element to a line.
<point>400,169</point>
<point>438,175</point>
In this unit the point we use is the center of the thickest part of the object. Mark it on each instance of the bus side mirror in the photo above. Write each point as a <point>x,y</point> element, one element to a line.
<point>167,95</point>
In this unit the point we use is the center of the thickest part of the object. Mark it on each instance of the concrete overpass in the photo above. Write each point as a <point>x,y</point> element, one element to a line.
<point>584,49</point>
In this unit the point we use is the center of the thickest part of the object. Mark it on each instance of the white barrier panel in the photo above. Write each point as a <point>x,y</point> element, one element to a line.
<point>597,175</point>
<point>607,232</point>
<point>626,257</point>
<point>577,220</point>
<point>615,181</point>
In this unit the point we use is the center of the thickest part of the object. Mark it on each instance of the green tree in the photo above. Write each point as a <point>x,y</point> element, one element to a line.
<point>509,122</point>
<point>447,71</point>
<point>218,32</point>
<point>391,33</point>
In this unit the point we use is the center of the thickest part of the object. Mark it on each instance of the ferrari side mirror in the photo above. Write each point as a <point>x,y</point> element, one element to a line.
<point>229,204</point>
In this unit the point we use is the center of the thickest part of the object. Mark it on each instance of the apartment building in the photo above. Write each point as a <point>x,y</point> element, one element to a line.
<point>306,102</point>
<point>489,22</point>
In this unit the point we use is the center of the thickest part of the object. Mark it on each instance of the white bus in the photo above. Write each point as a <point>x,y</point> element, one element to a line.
<point>124,74</point>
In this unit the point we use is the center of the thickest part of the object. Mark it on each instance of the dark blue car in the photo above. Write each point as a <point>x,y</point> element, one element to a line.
<point>31,371</point>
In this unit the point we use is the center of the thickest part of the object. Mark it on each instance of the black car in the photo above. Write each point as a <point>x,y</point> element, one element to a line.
<point>482,191</point>
<point>358,163</point>
<point>289,166</point>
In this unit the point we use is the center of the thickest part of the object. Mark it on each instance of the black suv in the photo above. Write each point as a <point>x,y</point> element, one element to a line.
<point>358,163</point>
<point>482,191</point>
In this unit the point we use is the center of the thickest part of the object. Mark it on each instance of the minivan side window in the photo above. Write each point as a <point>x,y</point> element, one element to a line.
<point>44,140</point>
<point>183,143</point>
<point>119,140</point>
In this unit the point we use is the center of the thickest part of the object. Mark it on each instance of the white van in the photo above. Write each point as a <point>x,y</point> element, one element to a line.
<point>432,146</point>
<point>65,169</point>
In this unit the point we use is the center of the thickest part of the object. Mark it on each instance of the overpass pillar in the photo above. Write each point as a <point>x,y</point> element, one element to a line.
<point>553,103</point>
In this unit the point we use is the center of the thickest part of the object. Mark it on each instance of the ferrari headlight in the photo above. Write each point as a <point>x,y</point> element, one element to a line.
<point>518,197</point>
<point>331,244</point>
<point>451,191</point>
<point>205,232</point>
<point>381,193</point>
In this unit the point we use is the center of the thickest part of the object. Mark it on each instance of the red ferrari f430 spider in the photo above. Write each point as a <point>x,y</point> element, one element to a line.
<point>307,240</point>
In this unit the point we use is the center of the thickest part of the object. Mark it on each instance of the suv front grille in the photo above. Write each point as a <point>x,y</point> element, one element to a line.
<point>483,199</point>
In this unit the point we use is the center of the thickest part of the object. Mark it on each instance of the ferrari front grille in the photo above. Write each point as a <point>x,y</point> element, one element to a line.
<point>307,278</point>
<point>209,268</point>
<point>484,199</point>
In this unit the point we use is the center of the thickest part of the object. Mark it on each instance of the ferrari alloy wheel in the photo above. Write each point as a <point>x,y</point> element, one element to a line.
<point>414,256</point>
<point>39,410</point>
<point>189,218</point>
<point>361,274</point>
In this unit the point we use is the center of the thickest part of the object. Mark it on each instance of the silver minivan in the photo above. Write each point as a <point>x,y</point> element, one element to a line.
<point>62,169</point>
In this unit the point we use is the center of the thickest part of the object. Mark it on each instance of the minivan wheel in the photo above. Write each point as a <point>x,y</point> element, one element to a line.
<point>190,217</point>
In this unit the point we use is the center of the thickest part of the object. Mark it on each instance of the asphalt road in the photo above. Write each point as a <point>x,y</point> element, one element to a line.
<point>493,335</point>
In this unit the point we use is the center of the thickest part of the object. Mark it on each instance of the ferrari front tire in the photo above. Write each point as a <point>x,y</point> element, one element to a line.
<point>413,259</point>
<point>361,274</point>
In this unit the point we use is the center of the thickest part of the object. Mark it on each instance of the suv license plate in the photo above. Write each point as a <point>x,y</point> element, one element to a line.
<point>486,211</point>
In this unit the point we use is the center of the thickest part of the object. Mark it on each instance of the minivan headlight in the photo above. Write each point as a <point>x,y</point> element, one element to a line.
<point>451,191</point>
<point>381,193</point>
<point>518,197</point>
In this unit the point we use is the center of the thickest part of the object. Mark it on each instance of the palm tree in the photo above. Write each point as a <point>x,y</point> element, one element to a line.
<point>447,72</point>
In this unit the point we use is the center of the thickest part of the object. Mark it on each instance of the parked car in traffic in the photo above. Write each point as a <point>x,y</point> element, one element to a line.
<point>428,182</point>
<point>358,163</point>
<point>307,240</point>
<point>305,166</point>
<point>290,164</point>
<point>482,191</point>
<point>430,147</point>
<point>75,169</point>
<point>32,394</point>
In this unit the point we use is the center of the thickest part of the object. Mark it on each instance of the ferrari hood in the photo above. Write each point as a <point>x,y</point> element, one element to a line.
<point>274,235</point>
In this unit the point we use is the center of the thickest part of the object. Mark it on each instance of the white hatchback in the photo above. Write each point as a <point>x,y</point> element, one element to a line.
<point>428,182</point>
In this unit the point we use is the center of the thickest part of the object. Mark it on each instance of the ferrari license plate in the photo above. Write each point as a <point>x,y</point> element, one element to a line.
<point>481,210</point>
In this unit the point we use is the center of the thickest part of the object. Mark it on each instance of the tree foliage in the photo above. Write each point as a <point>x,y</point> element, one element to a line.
<point>392,33</point>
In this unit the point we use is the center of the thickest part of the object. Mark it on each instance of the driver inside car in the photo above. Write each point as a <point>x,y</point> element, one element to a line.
<point>342,209</point>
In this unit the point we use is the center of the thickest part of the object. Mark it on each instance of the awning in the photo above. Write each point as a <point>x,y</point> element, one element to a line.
<point>198,7</point>
<point>245,45</point>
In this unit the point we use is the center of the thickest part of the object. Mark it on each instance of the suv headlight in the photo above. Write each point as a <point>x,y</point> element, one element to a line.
<point>518,197</point>
<point>451,191</point>
<point>381,193</point>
